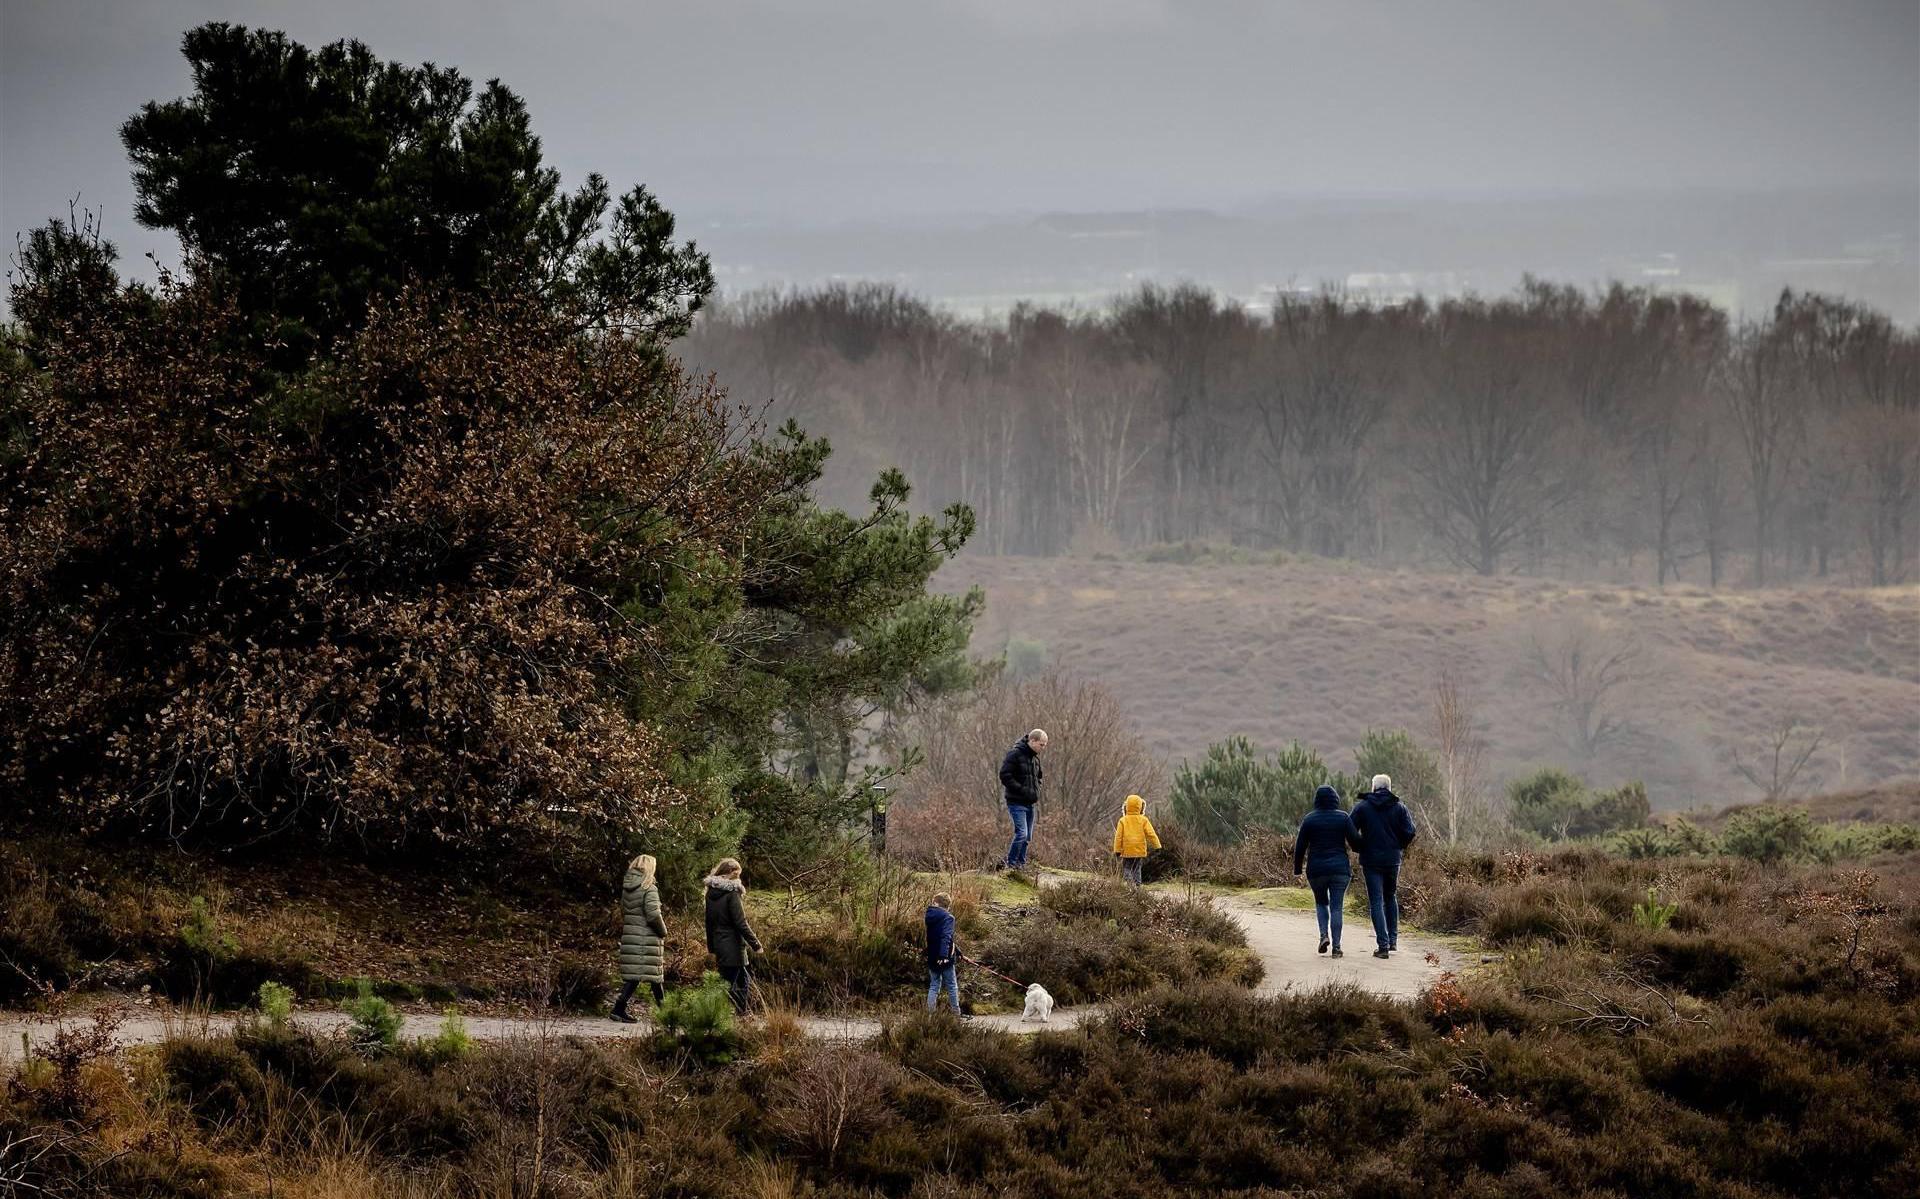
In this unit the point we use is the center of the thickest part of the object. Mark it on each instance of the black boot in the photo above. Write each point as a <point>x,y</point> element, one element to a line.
<point>1323,945</point>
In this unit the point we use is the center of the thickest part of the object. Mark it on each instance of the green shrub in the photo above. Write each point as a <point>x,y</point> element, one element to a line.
<point>1624,807</point>
<point>1653,914</point>
<point>451,1042</point>
<point>376,1025</point>
<point>1547,802</point>
<point>276,1004</point>
<point>699,1021</point>
<point>1554,804</point>
<point>1394,752</point>
<point>1768,833</point>
<point>1233,791</point>
<point>1679,837</point>
<point>1025,658</point>
<point>1832,843</point>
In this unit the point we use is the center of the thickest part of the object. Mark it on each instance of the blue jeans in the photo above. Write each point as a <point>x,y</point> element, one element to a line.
<point>1383,902</point>
<point>942,976</point>
<point>1022,833</point>
<point>1329,900</point>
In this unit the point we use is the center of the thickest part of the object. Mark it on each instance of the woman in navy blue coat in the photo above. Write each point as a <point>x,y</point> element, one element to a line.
<point>1325,836</point>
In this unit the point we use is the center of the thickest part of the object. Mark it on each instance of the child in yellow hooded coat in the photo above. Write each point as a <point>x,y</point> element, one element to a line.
<point>1132,838</point>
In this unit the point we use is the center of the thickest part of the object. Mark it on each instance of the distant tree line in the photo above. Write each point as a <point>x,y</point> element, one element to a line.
<point>1622,432</point>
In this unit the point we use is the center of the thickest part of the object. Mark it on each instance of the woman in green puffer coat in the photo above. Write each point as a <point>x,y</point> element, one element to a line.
<point>643,936</point>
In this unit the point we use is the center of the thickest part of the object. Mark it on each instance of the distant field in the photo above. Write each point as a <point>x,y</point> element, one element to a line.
<point>1320,652</point>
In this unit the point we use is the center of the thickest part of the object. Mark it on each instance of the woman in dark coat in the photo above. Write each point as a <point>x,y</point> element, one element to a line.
<point>643,936</point>
<point>729,936</point>
<point>1325,836</point>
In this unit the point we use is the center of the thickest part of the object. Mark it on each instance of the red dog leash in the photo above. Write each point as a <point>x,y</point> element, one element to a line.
<point>990,970</point>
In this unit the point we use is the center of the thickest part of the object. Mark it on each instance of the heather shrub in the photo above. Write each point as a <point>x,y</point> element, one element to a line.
<point>838,1096</point>
<point>214,1080</point>
<point>1229,1023</point>
<point>1090,940</point>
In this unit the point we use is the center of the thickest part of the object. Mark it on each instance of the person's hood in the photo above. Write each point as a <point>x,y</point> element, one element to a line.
<point>1136,806</point>
<point>1326,799</point>
<point>934,907</point>
<point>1023,744</point>
<point>1382,798</point>
<point>716,883</point>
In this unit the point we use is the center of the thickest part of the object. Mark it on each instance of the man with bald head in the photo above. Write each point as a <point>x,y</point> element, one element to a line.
<point>1020,787</point>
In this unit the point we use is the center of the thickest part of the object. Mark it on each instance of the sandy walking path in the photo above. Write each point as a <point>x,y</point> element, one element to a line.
<point>1284,937</point>
<point>1287,941</point>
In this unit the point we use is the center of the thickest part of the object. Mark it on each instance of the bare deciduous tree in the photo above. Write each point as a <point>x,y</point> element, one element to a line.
<point>1757,388</point>
<point>1783,757</point>
<point>1462,754</point>
<point>1483,435</point>
<point>1590,670</point>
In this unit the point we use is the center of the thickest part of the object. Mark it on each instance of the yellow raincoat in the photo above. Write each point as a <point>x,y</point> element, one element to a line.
<point>1134,835</point>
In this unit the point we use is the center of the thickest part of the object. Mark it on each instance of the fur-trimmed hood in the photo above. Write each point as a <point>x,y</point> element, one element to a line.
<point>717,883</point>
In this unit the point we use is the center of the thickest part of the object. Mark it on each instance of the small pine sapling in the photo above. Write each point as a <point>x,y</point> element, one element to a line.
<point>1653,914</point>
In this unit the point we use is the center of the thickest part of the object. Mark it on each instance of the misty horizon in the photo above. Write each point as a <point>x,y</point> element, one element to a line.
<point>802,144</point>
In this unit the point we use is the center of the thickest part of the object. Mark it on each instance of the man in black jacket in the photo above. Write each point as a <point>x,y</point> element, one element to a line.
<point>1020,787</point>
<point>1386,829</point>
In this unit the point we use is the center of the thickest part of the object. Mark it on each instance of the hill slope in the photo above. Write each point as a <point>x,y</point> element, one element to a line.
<point>1321,652</point>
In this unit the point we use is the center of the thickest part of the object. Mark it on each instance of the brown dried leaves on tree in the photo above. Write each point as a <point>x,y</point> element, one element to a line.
<point>381,600</point>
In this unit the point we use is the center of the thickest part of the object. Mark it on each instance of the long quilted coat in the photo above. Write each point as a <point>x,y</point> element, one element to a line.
<point>643,931</point>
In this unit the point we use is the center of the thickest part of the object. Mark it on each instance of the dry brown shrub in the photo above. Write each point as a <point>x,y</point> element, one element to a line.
<point>837,1095</point>
<point>950,814</point>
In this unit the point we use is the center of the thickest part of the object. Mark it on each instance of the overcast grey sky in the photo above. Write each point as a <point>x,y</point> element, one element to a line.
<point>823,110</point>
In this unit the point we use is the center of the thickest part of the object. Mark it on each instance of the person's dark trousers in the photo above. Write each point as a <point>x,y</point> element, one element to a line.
<point>1383,902</point>
<point>737,982</point>
<point>1022,815</point>
<point>627,989</point>
<point>1130,870</point>
<point>1329,905</point>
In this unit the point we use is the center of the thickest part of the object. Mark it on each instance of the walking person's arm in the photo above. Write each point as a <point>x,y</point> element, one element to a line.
<point>650,909</point>
<point>737,911</point>
<point>1300,847</point>
<point>1352,835</point>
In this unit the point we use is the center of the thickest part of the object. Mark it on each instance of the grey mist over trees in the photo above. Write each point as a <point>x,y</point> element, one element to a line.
<point>1615,434</point>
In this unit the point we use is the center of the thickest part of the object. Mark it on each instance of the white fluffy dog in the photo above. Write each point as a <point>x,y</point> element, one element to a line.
<point>1039,1004</point>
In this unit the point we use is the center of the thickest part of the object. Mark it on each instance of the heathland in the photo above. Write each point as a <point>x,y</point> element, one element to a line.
<point>1198,645</point>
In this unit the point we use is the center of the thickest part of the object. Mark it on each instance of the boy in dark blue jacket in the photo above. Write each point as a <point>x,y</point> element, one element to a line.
<point>1326,833</point>
<point>1386,828</point>
<point>941,952</point>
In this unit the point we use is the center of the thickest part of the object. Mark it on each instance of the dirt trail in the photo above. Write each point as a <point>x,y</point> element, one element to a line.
<point>1287,940</point>
<point>1284,938</point>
